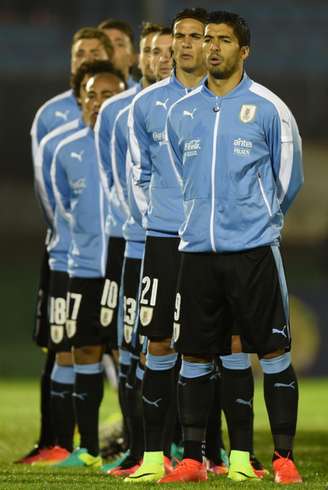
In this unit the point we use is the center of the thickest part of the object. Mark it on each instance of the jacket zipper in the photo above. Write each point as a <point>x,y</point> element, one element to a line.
<point>214,149</point>
<point>265,199</point>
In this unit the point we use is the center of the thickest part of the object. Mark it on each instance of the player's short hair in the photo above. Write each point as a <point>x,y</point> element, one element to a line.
<point>238,24</point>
<point>93,68</point>
<point>165,31</point>
<point>120,25</point>
<point>199,14</point>
<point>94,33</point>
<point>149,28</point>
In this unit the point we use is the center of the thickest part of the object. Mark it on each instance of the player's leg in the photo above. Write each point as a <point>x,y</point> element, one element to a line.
<point>199,308</point>
<point>87,336</point>
<point>157,301</point>
<point>266,313</point>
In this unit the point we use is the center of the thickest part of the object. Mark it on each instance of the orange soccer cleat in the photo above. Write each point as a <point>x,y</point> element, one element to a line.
<point>258,467</point>
<point>285,471</point>
<point>187,470</point>
<point>122,471</point>
<point>217,469</point>
<point>168,465</point>
<point>51,455</point>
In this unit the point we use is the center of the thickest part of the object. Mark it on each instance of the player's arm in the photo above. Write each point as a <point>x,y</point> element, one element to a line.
<point>173,146</point>
<point>137,203</point>
<point>139,144</point>
<point>285,146</point>
<point>118,151</point>
<point>60,185</point>
<point>42,179</point>
<point>103,131</point>
<point>38,131</point>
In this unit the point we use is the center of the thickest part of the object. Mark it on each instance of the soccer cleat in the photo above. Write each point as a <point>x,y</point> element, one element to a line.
<point>176,453</point>
<point>285,471</point>
<point>80,458</point>
<point>151,470</point>
<point>258,467</point>
<point>114,464</point>
<point>224,457</point>
<point>34,455</point>
<point>52,456</point>
<point>168,467</point>
<point>127,467</point>
<point>217,469</point>
<point>187,470</point>
<point>240,468</point>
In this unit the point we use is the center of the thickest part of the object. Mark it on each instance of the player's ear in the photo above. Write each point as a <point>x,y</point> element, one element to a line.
<point>244,52</point>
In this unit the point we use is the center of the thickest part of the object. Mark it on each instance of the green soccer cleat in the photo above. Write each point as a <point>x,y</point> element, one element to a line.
<point>151,470</point>
<point>114,464</point>
<point>224,457</point>
<point>80,458</point>
<point>240,468</point>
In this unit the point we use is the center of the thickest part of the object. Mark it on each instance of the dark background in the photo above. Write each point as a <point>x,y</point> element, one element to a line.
<point>289,56</point>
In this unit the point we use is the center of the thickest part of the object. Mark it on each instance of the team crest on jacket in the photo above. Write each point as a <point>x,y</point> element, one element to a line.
<point>146,315</point>
<point>247,113</point>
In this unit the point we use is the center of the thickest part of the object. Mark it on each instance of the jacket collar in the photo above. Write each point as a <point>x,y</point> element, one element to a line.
<point>244,83</point>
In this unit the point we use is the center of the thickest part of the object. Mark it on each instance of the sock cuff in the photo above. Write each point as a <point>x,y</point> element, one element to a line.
<point>95,368</point>
<point>239,360</point>
<point>124,357</point>
<point>276,364</point>
<point>63,374</point>
<point>195,369</point>
<point>161,363</point>
<point>140,373</point>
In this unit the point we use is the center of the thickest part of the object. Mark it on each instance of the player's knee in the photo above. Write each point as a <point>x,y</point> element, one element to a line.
<point>160,347</point>
<point>196,368</point>
<point>161,363</point>
<point>88,354</point>
<point>64,358</point>
<point>236,361</point>
<point>276,364</point>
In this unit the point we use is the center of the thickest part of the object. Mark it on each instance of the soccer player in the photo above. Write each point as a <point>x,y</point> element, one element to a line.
<point>115,168</point>
<point>121,36</point>
<point>161,204</point>
<point>237,150</point>
<point>88,44</point>
<point>79,198</point>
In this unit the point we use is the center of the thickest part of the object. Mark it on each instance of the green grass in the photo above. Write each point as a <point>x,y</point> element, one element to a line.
<point>19,426</point>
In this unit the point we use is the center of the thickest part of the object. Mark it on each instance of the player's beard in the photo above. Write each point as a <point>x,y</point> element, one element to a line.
<point>222,74</point>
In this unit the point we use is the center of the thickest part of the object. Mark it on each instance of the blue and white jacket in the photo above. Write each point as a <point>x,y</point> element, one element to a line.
<point>153,171</point>
<point>239,159</point>
<point>103,131</point>
<point>55,112</point>
<point>79,197</point>
<point>60,237</point>
<point>133,232</point>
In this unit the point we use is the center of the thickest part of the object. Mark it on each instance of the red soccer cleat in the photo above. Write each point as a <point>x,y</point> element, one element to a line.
<point>217,469</point>
<point>120,471</point>
<point>32,456</point>
<point>52,455</point>
<point>187,470</point>
<point>285,471</point>
<point>168,465</point>
<point>258,467</point>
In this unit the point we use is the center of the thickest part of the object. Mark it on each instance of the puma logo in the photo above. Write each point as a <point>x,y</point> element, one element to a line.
<point>190,114</point>
<point>162,104</point>
<point>59,394</point>
<point>282,332</point>
<point>154,403</point>
<point>285,385</point>
<point>80,396</point>
<point>76,155</point>
<point>245,402</point>
<point>62,114</point>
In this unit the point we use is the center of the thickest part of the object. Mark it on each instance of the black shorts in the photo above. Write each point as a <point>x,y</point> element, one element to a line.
<point>41,326</point>
<point>58,340</point>
<point>128,337</point>
<point>83,325</point>
<point>110,299</point>
<point>158,287</point>
<point>220,294</point>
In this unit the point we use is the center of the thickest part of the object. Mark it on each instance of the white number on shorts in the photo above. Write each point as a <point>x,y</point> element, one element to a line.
<point>149,284</point>
<point>57,311</point>
<point>76,297</point>
<point>110,294</point>
<point>130,310</point>
<point>177,307</point>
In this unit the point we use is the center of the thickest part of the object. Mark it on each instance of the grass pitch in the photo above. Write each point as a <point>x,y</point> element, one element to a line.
<point>19,425</point>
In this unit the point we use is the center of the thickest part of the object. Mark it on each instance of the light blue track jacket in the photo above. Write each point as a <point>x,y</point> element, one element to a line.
<point>103,132</point>
<point>80,199</point>
<point>60,238</point>
<point>133,232</point>
<point>239,160</point>
<point>153,171</point>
